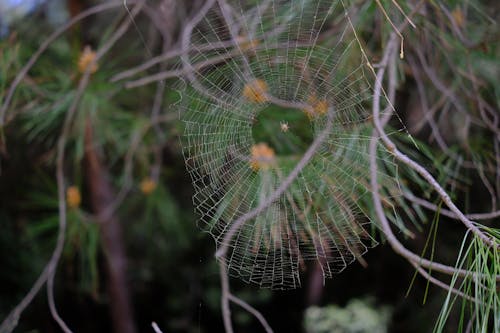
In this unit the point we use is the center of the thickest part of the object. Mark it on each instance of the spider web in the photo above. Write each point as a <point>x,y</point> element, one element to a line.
<point>322,217</point>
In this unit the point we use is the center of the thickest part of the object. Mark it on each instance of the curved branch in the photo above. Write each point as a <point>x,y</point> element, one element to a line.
<point>226,311</point>
<point>253,311</point>
<point>391,238</point>
<point>227,296</point>
<point>407,160</point>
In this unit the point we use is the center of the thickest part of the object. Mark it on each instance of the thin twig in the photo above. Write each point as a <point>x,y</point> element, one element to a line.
<point>470,323</point>
<point>443,88</point>
<point>174,73</point>
<point>11,321</point>
<point>155,327</point>
<point>193,48</point>
<point>448,213</point>
<point>186,39</point>
<point>441,284</point>
<point>253,311</point>
<point>62,198</point>
<point>396,29</point>
<point>226,311</point>
<point>166,56</point>
<point>425,106</point>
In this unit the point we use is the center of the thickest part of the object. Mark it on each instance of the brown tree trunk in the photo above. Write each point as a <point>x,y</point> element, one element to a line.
<point>101,196</point>
<point>316,285</point>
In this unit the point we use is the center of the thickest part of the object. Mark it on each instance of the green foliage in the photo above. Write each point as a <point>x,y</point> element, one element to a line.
<point>358,316</point>
<point>481,312</point>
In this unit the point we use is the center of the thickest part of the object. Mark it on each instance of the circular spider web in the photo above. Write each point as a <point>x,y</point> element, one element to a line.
<point>262,83</point>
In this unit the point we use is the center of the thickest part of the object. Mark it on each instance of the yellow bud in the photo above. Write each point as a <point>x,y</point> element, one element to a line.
<point>147,186</point>
<point>318,107</point>
<point>321,107</point>
<point>458,17</point>
<point>86,60</point>
<point>263,156</point>
<point>246,44</point>
<point>256,91</point>
<point>73,197</point>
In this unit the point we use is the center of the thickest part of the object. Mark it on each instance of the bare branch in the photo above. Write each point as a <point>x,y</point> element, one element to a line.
<point>226,311</point>
<point>408,161</point>
<point>156,328</point>
<point>253,311</point>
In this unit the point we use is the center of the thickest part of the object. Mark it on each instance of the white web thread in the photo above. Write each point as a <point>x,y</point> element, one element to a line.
<point>320,217</point>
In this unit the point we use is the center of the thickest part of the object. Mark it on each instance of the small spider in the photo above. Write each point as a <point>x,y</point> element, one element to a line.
<point>284,126</point>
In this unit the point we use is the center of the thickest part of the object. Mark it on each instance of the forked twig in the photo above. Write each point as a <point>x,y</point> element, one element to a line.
<point>253,311</point>
<point>227,297</point>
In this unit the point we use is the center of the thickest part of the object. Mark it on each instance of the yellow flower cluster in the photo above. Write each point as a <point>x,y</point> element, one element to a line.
<point>86,60</point>
<point>147,186</point>
<point>318,107</point>
<point>73,197</point>
<point>263,156</point>
<point>256,91</point>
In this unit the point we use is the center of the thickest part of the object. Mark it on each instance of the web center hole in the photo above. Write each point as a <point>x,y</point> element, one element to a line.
<point>288,131</point>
